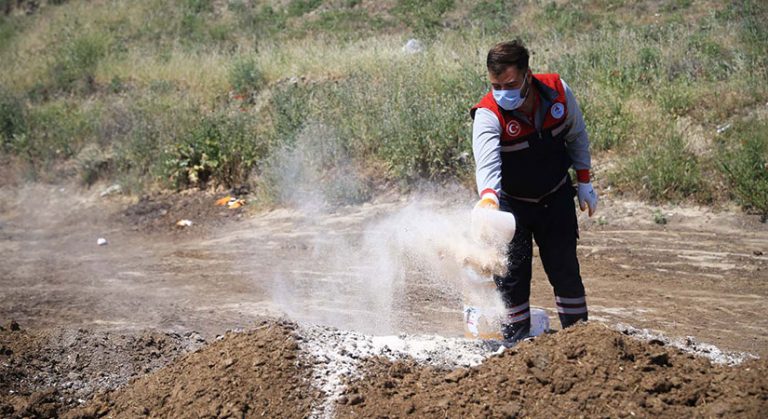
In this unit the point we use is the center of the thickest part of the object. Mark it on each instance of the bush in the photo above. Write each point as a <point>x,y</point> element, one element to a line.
<point>94,165</point>
<point>198,6</point>
<point>343,24</point>
<point>413,120</point>
<point>301,7</point>
<point>662,171</point>
<point>12,119</point>
<point>9,28</point>
<point>564,18</point>
<point>424,18</point>
<point>745,166</point>
<point>492,16</point>
<point>608,123</point>
<point>76,61</point>
<point>220,148</point>
<point>675,99</point>
<point>245,76</point>
<point>57,131</point>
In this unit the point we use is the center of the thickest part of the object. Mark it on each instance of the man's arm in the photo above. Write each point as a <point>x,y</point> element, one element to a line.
<point>576,139</point>
<point>486,147</point>
<point>577,145</point>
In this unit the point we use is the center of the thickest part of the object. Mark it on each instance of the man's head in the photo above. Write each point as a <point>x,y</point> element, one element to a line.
<point>507,65</point>
<point>509,74</point>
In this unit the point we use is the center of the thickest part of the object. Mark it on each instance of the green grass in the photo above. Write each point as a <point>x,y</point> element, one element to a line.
<point>564,17</point>
<point>663,171</point>
<point>609,123</point>
<point>220,148</point>
<point>13,121</point>
<point>245,76</point>
<point>192,93</point>
<point>422,17</point>
<point>744,162</point>
<point>76,59</point>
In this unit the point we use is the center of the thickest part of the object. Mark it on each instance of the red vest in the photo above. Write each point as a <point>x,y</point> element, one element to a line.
<point>533,162</point>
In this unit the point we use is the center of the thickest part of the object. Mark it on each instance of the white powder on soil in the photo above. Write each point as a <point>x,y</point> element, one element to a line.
<point>337,355</point>
<point>689,344</point>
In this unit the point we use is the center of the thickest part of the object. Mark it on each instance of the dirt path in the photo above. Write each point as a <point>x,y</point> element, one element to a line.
<point>702,274</point>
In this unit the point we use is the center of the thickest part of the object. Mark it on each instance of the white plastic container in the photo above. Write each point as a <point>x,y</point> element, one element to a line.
<point>481,323</point>
<point>539,322</point>
<point>493,227</point>
<point>482,307</point>
<point>483,310</point>
<point>485,322</point>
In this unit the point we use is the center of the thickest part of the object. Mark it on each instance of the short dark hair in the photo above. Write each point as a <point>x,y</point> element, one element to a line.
<point>506,54</point>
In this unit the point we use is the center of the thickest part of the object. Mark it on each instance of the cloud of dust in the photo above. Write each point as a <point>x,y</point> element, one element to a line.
<point>366,268</point>
<point>315,173</point>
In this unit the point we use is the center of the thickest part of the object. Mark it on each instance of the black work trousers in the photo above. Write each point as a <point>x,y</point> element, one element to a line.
<point>552,223</point>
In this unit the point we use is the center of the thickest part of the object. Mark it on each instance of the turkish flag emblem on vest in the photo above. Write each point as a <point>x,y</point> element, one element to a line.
<point>513,128</point>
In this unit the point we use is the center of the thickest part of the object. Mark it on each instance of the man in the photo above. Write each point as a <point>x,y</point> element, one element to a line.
<point>527,132</point>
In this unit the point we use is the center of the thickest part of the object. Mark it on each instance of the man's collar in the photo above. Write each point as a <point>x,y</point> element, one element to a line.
<point>547,92</point>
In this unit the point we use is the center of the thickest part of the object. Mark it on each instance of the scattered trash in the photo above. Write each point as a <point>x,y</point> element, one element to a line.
<point>223,201</point>
<point>184,223</point>
<point>413,46</point>
<point>230,202</point>
<point>237,203</point>
<point>723,128</point>
<point>112,190</point>
<point>101,241</point>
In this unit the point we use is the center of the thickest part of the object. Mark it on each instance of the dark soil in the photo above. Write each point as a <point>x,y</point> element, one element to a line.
<point>256,373</point>
<point>161,211</point>
<point>45,372</point>
<point>588,370</point>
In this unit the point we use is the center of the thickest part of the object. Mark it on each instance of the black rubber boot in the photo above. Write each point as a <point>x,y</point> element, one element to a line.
<point>568,320</point>
<point>515,332</point>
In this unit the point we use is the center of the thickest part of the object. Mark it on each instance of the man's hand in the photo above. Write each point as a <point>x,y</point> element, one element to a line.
<point>587,197</point>
<point>488,201</point>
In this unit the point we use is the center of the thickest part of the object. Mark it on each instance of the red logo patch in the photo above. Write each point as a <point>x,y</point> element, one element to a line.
<point>513,128</point>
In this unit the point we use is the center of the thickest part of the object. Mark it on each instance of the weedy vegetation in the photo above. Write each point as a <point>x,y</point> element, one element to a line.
<point>196,93</point>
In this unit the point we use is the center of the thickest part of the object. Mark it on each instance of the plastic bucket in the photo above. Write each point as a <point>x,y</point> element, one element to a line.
<point>539,322</point>
<point>485,322</point>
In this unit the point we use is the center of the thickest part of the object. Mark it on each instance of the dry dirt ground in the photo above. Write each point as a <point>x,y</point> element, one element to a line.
<point>702,274</point>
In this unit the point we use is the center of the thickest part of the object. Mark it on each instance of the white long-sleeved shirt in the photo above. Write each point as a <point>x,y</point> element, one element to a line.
<point>486,143</point>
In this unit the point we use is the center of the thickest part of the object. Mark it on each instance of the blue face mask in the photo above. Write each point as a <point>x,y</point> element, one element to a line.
<point>510,99</point>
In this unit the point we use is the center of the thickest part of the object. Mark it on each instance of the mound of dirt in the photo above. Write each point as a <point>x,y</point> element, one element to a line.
<point>280,369</point>
<point>588,370</point>
<point>255,373</point>
<point>45,372</point>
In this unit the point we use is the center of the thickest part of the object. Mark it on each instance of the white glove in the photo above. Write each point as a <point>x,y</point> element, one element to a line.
<point>587,197</point>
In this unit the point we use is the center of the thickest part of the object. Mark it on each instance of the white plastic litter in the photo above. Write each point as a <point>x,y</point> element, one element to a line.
<point>413,46</point>
<point>112,190</point>
<point>723,128</point>
<point>184,223</point>
<point>101,241</point>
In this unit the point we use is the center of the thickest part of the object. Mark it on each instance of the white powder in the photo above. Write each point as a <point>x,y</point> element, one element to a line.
<point>689,344</point>
<point>337,355</point>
